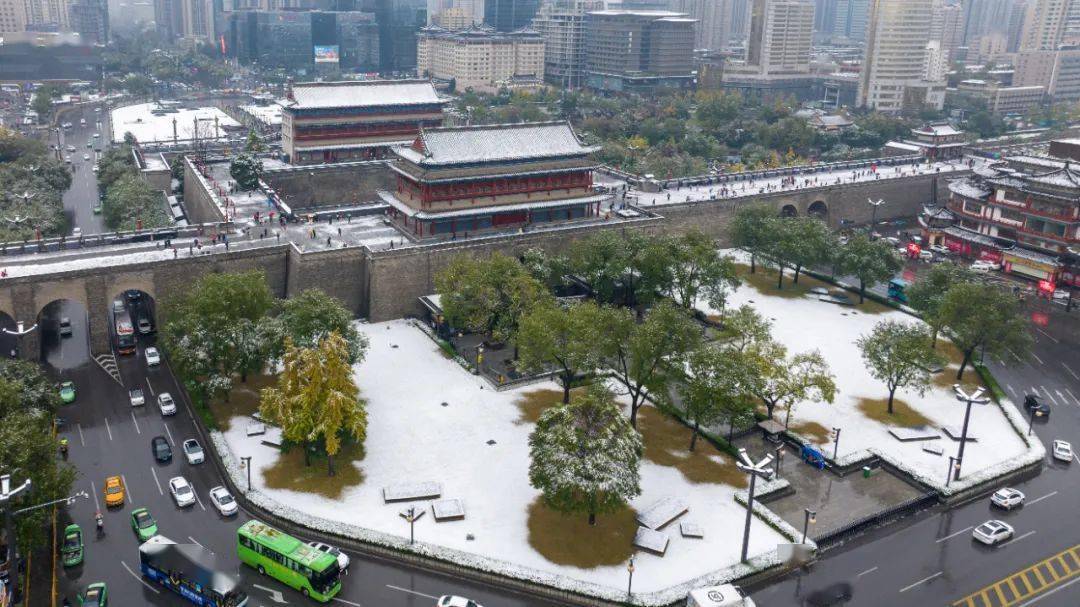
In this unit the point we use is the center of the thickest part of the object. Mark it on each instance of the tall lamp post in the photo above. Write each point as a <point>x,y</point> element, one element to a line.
<point>836,445</point>
<point>975,397</point>
<point>954,464</point>
<point>809,518</point>
<point>754,470</point>
<point>873,213</point>
<point>247,465</point>
<point>1031,420</point>
<point>630,581</point>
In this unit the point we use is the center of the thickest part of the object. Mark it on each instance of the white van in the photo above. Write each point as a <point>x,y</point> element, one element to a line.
<point>718,596</point>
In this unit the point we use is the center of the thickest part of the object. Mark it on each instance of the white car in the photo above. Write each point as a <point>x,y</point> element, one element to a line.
<point>1063,451</point>
<point>153,357</point>
<point>223,501</point>
<point>76,232</point>
<point>342,558</point>
<point>85,157</point>
<point>166,403</point>
<point>181,491</point>
<point>449,600</point>
<point>137,397</point>
<point>926,256</point>
<point>993,532</point>
<point>983,267</point>
<point>193,451</point>
<point>1007,498</point>
<point>940,248</point>
<point>96,135</point>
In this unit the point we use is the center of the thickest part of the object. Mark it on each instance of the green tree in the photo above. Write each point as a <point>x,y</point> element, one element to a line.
<point>977,315</point>
<point>316,402</point>
<point>488,296</point>
<point>753,229</point>
<point>176,168</point>
<point>800,242</point>
<point>36,392</point>
<point>311,315</point>
<point>745,327</point>
<point>717,381</point>
<point>131,203</point>
<point>42,103</point>
<point>899,354</point>
<point>254,144</point>
<point>646,356</point>
<point>570,338</point>
<point>871,261</point>
<point>782,380</point>
<point>697,268</point>
<point>246,170</point>
<point>627,268</point>
<point>717,110</point>
<point>584,457</point>
<point>927,293</point>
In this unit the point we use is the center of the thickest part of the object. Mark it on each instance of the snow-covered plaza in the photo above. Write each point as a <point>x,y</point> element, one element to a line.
<point>149,125</point>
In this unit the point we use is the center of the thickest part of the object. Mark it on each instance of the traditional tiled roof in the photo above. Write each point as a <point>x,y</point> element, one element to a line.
<point>1066,177</point>
<point>446,146</point>
<point>969,188</point>
<point>941,213</point>
<point>937,130</point>
<point>1033,255</point>
<point>322,95</point>
<point>970,236</point>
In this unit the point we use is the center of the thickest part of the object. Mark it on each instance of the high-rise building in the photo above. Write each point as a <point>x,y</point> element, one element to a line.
<point>561,23</point>
<point>90,18</point>
<point>47,15</point>
<point>12,16</point>
<point>639,51</point>
<point>167,18</point>
<point>289,39</point>
<point>1044,25</point>
<point>824,16</point>
<point>436,7</point>
<point>982,17</point>
<point>780,36</point>
<point>481,58</point>
<point>196,19</point>
<point>947,27</point>
<point>893,68</point>
<point>1015,28</point>
<point>849,20</point>
<point>713,29</point>
<point>399,20</point>
<point>1058,71</point>
<point>1072,24</point>
<point>509,15</point>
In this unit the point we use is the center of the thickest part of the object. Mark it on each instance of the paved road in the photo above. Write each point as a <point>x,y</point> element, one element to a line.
<point>110,437</point>
<point>79,199</point>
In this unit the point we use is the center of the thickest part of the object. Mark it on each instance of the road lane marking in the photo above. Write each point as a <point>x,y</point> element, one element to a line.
<point>1071,372</point>
<point>871,570</point>
<point>1069,392</point>
<point>150,386</point>
<point>140,578</point>
<point>197,499</point>
<point>350,602</point>
<point>137,431</point>
<point>127,488</point>
<point>1011,391</point>
<point>1048,395</point>
<point>196,541</point>
<point>156,481</point>
<point>1039,499</point>
<point>1019,537</point>
<point>427,596</point>
<point>93,492</point>
<point>922,581</point>
<point>1039,598</point>
<point>952,535</point>
<point>107,428</point>
<point>169,433</point>
<point>1035,356</point>
<point>1052,338</point>
<point>82,441</point>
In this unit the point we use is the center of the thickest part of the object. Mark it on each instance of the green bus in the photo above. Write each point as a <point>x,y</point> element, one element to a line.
<point>288,560</point>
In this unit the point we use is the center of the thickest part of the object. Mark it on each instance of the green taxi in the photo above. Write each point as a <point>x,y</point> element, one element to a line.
<point>71,552</point>
<point>67,392</point>
<point>143,524</point>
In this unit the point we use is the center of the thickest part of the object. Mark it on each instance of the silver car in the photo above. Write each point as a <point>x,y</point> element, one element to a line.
<point>993,532</point>
<point>181,491</point>
<point>223,501</point>
<point>1007,498</point>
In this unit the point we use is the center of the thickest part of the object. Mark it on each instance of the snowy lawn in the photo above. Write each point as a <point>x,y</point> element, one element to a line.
<point>803,323</point>
<point>414,438</point>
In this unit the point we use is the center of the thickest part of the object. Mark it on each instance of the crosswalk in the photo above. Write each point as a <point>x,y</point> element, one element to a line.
<point>108,363</point>
<point>1037,579</point>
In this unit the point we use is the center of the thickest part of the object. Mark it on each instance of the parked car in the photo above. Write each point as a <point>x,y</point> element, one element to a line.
<point>223,501</point>
<point>153,357</point>
<point>940,248</point>
<point>927,256</point>
<point>342,558</point>
<point>135,395</point>
<point>166,403</point>
<point>161,449</point>
<point>85,157</point>
<point>71,551</point>
<point>1032,403</point>
<point>1007,498</point>
<point>117,306</point>
<point>65,327</point>
<point>96,595</point>
<point>145,328</point>
<point>70,148</point>
<point>144,525</point>
<point>455,601</point>
<point>983,267</point>
<point>181,491</point>
<point>193,452</point>
<point>993,532</point>
<point>114,491</point>
<point>67,392</point>
<point>76,232</point>
<point>1063,451</point>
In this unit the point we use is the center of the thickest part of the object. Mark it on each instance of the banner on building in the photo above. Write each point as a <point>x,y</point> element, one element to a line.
<point>326,54</point>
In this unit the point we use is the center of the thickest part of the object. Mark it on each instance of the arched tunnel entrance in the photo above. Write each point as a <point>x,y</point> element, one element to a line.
<point>65,334</point>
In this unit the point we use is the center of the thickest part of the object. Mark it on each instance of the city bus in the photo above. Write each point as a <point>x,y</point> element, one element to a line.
<point>125,333</point>
<point>191,571</point>
<point>286,559</point>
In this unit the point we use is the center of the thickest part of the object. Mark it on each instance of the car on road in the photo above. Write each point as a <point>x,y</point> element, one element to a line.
<point>1007,498</point>
<point>114,491</point>
<point>85,157</point>
<point>983,267</point>
<point>449,600</point>
<point>940,248</point>
<point>193,451</point>
<point>144,525</point>
<point>96,595</point>
<point>76,232</point>
<point>70,148</point>
<point>993,532</point>
<point>926,256</point>
<point>90,144</point>
<point>67,392</point>
<point>342,558</point>
<point>161,449</point>
<point>67,159</point>
<point>133,295</point>
<point>97,208</point>
<point>145,328</point>
<point>223,501</point>
<point>97,109</point>
<point>82,121</point>
<point>1062,451</point>
<point>1033,404</point>
<point>71,551</point>
<point>153,357</point>
<point>117,306</point>
<point>96,135</point>
<point>135,395</point>
<point>181,491</point>
<point>166,404</point>
<point>65,327</point>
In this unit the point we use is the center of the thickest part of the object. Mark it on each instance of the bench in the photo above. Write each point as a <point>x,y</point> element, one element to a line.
<point>662,512</point>
<point>651,541</point>
<point>407,492</point>
<point>448,510</point>
<point>907,435</point>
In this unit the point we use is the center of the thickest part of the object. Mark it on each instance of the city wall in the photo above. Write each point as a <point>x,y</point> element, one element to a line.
<point>314,187</point>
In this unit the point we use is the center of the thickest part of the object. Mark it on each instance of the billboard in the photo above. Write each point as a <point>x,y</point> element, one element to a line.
<point>326,54</point>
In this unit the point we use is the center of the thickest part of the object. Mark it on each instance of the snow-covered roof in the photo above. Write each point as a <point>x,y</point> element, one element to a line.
<point>970,236</point>
<point>938,213</point>
<point>937,130</point>
<point>389,198</point>
<point>969,188</point>
<point>322,95</point>
<point>1065,177</point>
<point>1036,256</point>
<point>494,143</point>
<point>900,145</point>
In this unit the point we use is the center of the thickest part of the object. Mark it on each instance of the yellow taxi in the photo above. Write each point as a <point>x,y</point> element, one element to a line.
<point>114,491</point>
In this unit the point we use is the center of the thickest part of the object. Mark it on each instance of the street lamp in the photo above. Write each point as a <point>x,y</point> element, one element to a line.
<point>246,463</point>
<point>20,331</point>
<point>630,570</point>
<point>975,397</point>
<point>809,518</point>
<point>479,358</point>
<point>411,515</point>
<point>954,465</point>
<point>836,446</point>
<point>754,470</point>
<point>6,495</point>
<point>779,455</point>
<point>873,213</point>
<point>1031,419</point>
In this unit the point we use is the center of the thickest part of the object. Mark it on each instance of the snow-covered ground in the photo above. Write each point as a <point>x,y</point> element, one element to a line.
<point>267,114</point>
<point>804,324</point>
<point>140,121</point>
<point>413,438</point>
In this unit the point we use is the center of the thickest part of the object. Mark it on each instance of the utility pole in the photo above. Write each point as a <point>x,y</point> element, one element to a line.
<point>754,470</point>
<point>873,214</point>
<point>6,495</point>
<point>975,397</point>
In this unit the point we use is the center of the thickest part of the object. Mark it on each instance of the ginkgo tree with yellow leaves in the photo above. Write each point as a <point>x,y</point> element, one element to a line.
<point>316,402</point>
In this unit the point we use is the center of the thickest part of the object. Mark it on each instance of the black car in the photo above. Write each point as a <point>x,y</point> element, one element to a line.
<point>161,449</point>
<point>134,296</point>
<point>1034,405</point>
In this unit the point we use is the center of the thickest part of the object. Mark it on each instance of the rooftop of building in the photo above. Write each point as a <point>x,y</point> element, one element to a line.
<point>365,93</point>
<point>937,129</point>
<point>447,146</point>
<point>478,32</point>
<point>656,14</point>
